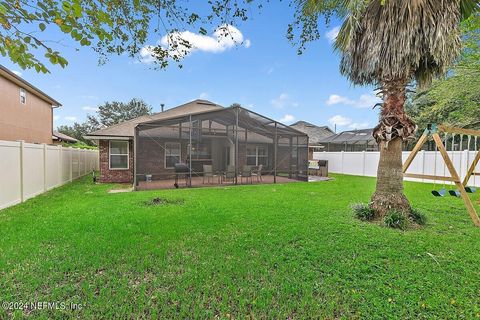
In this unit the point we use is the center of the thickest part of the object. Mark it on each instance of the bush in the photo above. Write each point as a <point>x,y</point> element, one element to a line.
<point>396,219</point>
<point>362,211</point>
<point>418,217</point>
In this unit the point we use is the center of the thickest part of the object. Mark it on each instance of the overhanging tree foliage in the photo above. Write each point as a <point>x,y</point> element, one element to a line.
<point>33,31</point>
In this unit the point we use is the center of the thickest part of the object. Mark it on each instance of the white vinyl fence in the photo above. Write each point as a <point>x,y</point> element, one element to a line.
<point>27,170</point>
<point>366,163</point>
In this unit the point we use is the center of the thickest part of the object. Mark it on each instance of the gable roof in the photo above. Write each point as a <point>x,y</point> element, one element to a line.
<point>127,129</point>
<point>9,75</point>
<point>350,136</point>
<point>315,133</point>
<point>63,137</point>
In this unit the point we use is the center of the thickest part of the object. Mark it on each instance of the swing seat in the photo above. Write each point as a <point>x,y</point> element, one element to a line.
<point>470,189</point>
<point>454,193</point>
<point>439,193</point>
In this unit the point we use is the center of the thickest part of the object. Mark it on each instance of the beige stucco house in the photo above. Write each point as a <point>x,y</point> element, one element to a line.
<point>26,113</point>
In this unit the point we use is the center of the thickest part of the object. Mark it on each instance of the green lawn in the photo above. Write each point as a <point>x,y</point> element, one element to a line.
<point>271,251</point>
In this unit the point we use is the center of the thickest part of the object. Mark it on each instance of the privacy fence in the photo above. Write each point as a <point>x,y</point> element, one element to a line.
<point>426,162</point>
<point>27,170</point>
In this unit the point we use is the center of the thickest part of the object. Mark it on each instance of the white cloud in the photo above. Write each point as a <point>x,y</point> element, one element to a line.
<point>18,73</point>
<point>335,99</point>
<point>55,118</point>
<point>270,70</point>
<point>88,108</point>
<point>364,101</point>
<point>70,118</point>
<point>283,101</point>
<point>288,118</point>
<point>183,43</point>
<point>332,33</point>
<point>203,95</point>
<point>361,125</point>
<point>339,120</point>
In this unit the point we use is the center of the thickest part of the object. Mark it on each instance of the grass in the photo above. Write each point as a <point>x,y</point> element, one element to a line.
<point>271,251</point>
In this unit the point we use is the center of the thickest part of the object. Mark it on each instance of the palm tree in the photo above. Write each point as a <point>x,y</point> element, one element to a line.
<point>390,44</point>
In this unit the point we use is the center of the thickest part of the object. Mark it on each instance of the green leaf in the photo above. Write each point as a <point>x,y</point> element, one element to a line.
<point>42,26</point>
<point>66,28</point>
<point>85,42</point>
<point>66,5</point>
<point>3,10</point>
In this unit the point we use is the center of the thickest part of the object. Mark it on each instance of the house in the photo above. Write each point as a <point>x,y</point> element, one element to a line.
<point>315,135</point>
<point>26,111</point>
<point>199,133</point>
<point>59,137</point>
<point>351,140</point>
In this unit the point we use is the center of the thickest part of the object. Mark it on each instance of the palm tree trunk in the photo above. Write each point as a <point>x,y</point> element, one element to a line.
<point>393,129</point>
<point>389,191</point>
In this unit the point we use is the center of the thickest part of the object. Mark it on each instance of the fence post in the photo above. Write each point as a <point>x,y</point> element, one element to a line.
<point>71,164</point>
<point>364,163</point>
<point>342,161</point>
<point>60,165</point>
<point>44,167</point>
<point>84,161</point>
<point>463,167</point>
<point>22,171</point>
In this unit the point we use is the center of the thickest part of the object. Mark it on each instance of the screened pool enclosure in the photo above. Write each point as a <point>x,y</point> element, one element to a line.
<point>231,145</point>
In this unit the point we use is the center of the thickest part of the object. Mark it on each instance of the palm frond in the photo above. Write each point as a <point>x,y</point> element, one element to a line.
<point>467,7</point>
<point>414,39</point>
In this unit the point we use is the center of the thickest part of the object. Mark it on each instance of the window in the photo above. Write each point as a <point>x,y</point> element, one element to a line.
<point>257,155</point>
<point>201,151</point>
<point>173,153</point>
<point>118,155</point>
<point>23,96</point>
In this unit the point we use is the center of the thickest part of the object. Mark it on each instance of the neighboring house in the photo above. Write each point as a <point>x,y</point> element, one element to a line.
<point>315,135</point>
<point>59,137</point>
<point>200,133</point>
<point>116,142</point>
<point>26,112</point>
<point>352,140</point>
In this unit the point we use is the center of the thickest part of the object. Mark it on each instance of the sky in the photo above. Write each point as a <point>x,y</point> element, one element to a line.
<point>261,71</point>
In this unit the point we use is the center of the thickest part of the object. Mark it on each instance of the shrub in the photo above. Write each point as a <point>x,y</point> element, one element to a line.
<point>418,217</point>
<point>362,211</point>
<point>396,219</point>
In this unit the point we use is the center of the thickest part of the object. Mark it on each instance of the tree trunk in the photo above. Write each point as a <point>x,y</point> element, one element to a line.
<point>389,192</point>
<point>393,129</point>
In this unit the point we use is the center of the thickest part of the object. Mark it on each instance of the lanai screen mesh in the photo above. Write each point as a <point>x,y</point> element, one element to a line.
<point>228,141</point>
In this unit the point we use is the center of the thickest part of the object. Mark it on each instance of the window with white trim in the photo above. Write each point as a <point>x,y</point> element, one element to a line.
<point>23,96</point>
<point>257,155</point>
<point>118,154</point>
<point>173,154</point>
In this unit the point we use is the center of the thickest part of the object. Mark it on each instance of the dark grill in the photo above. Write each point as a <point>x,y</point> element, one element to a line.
<point>181,169</point>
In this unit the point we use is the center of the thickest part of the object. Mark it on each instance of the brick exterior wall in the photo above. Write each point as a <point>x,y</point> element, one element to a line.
<point>151,158</point>
<point>119,176</point>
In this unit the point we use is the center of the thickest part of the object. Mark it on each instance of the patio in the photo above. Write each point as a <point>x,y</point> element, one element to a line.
<point>215,182</point>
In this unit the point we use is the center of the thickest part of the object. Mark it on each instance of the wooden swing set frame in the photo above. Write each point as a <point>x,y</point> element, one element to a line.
<point>433,131</point>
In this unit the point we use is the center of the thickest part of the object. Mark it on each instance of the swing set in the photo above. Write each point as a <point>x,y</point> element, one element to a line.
<point>462,190</point>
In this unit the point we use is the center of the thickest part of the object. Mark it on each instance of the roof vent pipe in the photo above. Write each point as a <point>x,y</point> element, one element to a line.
<point>162,105</point>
